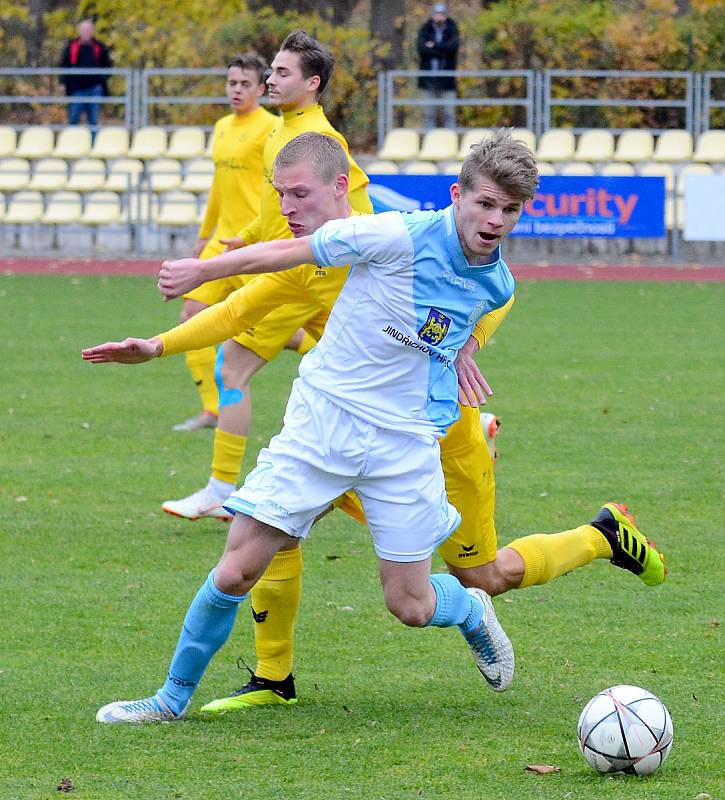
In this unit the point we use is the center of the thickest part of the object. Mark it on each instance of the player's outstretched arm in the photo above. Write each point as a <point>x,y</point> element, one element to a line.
<point>129,351</point>
<point>180,277</point>
<point>473,388</point>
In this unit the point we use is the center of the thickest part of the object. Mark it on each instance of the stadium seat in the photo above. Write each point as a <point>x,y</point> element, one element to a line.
<point>164,174</point>
<point>177,209</point>
<point>8,141</point>
<point>110,142</point>
<point>35,142</point>
<point>692,169</point>
<point>382,168</point>
<point>14,174</point>
<point>148,143</point>
<point>525,135</point>
<point>545,168</point>
<point>49,175</point>
<point>138,206</point>
<point>671,204</point>
<point>634,146</point>
<point>556,144</point>
<point>439,144</point>
<point>579,168</point>
<point>419,168</point>
<point>24,208</point>
<point>710,147</point>
<point>400,144</point>
<point>666,171</point>
<point>595,145</point>
<point>450,167</point>
<point>198,175</point>
<point>73,142</point>
<point>123,174</point>
<point>617,170</point>
<point>188,142</point>
<point>673,146</point>
<point>102,208</point>
<point>63,208</point>
<point>86,175</point>
<point>469,138</point>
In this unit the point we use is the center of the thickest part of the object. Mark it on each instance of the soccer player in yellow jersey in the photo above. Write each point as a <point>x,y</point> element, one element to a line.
<point>301,71</point>
<point>310,176</point>
<point>238,143</point>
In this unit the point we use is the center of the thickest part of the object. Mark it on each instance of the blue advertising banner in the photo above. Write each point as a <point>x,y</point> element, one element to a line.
<point>564,206</point>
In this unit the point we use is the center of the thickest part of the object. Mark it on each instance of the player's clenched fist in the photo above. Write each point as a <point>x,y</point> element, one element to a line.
<point>179,277</point>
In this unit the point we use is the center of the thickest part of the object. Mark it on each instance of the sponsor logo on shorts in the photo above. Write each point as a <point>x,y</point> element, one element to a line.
<point>468,552</point>
<point>259,616</point>
<point>435,328</point>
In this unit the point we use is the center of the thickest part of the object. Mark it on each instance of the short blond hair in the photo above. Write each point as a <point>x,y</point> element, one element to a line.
<point>504,160</point>
<point>326,155</point>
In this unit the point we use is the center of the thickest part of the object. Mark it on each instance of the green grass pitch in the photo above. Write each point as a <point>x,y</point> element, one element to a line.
<point>606,392</point>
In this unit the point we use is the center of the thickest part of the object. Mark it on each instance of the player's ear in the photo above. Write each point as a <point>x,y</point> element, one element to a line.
<point>456,194</point>
<point>342,184</point>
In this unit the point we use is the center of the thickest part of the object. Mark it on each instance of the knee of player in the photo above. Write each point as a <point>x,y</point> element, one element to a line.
<point>410,612</point>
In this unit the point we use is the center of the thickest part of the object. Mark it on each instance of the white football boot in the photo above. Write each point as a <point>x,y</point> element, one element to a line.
<point>150,709</point>
<point>204,503</point>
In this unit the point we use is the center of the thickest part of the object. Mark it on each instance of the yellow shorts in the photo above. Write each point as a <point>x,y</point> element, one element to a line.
<point>471,488</point>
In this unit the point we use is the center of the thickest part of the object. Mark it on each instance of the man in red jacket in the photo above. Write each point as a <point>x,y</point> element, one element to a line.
<point>85,52</point>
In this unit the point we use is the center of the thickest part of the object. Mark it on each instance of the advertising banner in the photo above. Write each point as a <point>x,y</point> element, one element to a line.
<point>705,208</point>
<point>564,206</point>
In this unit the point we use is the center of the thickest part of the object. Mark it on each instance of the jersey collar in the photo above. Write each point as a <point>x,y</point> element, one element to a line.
<point>299,112</point>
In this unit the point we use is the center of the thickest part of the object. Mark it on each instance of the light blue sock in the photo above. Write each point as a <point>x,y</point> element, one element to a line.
<point>454,605</point>
<point>207,626</point>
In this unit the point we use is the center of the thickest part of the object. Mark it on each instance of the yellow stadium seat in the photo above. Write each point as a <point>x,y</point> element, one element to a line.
<point>595,145</point>
<point>188,142</point>
<point>177,209</point>
<point>617,170</point>
<point>123,174</point>
<point>419,168</point>
<point>35,142</point>
<point>579,168</point>
<point>148,143</point>
<point>439,144</point>
<point>49,175</point>
<point>673,146</point>
<point>400,144</point>
<point>382,168</point>
<point>110,142</point>
<point>710,147</point>
<point>469,138</point>
<point>545,168</point>
<point>164,174</point>
<point>450,167</point>
<point>556,144</point>
<point>634,146</point>
<point>102,208</point>
<point>24,208</point>
<point>86,175</point>
<point>63,208</point>
<point>14,174</point>
<point>666,171</point>
<point>692,169</point>
<point>525,135</point>
<point>8,141</point>
<point>73,142</point>
<point>198,175</point>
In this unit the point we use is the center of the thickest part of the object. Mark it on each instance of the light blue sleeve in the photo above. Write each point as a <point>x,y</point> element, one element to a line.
<point>376,240</point>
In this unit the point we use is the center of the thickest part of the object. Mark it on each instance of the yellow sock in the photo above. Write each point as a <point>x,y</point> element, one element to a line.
<point>547,556</point>
<point>275,600</point>
<point>306,344</point>
<point>201,366</point>
<point>226,460</point>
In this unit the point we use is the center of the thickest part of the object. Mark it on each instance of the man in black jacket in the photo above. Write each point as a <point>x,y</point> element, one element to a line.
<point>438,42</point>
<point>82,53</point>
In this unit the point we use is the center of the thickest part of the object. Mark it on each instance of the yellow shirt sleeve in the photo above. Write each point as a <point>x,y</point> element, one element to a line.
<point>253,232</point>
<point>487,325</point>
<point>239,312</point>
<point>211,215</point>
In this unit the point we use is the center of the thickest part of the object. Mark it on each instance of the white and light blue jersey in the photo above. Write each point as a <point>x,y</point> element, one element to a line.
<point>408,306</point>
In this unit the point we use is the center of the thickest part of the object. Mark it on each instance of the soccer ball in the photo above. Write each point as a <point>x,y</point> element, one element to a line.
<point>625,729</point>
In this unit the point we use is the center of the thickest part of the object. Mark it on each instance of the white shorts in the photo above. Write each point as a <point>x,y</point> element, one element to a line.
<point>322,451</point>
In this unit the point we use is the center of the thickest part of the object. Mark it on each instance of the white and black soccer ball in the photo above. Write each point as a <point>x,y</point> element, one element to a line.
<point>625,729</point>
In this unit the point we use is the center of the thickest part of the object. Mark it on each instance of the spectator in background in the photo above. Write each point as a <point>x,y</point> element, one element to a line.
<point>82,53</point>
<point>437,43</point>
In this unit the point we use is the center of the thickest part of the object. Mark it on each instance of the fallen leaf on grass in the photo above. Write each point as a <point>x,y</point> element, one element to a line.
<point>541,769</point>
<point>66,785</point>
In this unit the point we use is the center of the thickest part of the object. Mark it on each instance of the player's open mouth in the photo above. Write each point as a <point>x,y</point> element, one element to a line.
<point>488,237</point>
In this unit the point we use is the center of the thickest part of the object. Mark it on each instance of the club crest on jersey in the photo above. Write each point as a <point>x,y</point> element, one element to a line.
<point>435,328</point>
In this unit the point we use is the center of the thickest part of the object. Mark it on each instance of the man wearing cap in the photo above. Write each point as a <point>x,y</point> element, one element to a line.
<point>437,43</point>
